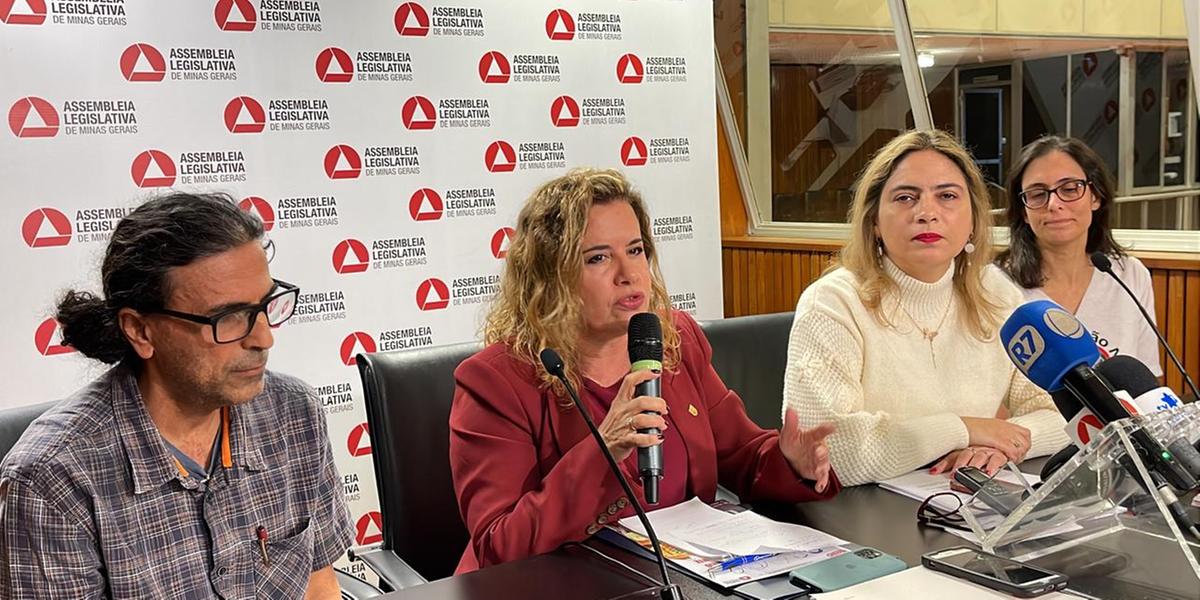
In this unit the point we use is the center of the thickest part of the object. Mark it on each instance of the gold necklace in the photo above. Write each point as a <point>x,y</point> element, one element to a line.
<point>927,333</point>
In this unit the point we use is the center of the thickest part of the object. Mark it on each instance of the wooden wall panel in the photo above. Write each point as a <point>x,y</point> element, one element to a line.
<point>1159,279</point>
<point>1173,328</point>
<point>1191,335</point>
<point>765,275</point>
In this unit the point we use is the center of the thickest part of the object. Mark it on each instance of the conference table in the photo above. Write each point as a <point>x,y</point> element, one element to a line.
<point>867,515</point>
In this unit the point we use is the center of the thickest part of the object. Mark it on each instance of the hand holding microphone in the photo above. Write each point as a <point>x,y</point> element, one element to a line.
<point>553,364</point>
<point>645,356</point>
<point>629,416</point>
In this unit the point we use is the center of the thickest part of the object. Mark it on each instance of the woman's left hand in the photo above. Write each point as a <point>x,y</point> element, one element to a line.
<point>805,449</point>
<point>985,457</point>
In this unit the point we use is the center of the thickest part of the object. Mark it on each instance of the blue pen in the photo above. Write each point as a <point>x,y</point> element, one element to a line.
<point>738,561</point>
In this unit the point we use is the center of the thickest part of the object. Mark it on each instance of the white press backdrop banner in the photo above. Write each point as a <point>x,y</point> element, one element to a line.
<point>387,146</point>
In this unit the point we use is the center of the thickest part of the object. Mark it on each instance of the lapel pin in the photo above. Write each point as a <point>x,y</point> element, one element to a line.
<point>692,410</point>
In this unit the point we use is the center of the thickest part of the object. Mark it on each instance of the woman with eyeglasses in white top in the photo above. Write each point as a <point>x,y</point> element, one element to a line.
<point>1060,194</point>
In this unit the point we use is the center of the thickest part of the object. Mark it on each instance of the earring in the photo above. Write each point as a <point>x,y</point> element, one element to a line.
<point>969,248</point>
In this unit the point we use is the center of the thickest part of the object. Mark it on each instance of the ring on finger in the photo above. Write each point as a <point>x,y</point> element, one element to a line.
<point>629,423</point>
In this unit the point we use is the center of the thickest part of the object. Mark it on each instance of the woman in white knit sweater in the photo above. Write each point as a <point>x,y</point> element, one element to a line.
<point>898,345</point>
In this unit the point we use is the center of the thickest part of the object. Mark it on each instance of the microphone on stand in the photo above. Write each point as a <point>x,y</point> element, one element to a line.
<point>645,354</point>
<point>1127,373</point>
<point>554,365</point>
<point>1102,262</point>
<point>1055,352</point>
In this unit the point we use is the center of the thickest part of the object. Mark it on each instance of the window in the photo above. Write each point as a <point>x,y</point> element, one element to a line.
<point>836,98</point>
<point>997,74</point>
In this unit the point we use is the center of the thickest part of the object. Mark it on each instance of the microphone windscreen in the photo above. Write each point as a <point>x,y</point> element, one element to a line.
<point>552,362</point>
<point>1100,261</point>
<point>1046,342</point>
<point>1127,373</point>
<point>1132,376</point>
<point>645,338</point>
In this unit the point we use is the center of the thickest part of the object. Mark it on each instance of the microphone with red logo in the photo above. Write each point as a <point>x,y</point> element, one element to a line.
<point>645,354</point>
<point>1102,262</point>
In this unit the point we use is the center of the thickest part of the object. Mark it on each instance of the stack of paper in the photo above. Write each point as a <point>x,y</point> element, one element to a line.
<point>697,537</point>
<point>702,529</point>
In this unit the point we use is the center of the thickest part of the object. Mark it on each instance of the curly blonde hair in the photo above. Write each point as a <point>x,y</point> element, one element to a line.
<point>538,305</point>
<point>861,255</point>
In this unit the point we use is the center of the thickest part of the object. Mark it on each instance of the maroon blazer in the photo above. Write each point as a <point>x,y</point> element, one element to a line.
<point>529,478</point>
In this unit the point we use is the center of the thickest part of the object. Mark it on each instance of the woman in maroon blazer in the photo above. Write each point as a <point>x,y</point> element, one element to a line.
<point>528,477</point>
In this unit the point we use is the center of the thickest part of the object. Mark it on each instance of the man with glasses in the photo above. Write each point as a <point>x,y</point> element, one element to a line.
<point>187,470</point>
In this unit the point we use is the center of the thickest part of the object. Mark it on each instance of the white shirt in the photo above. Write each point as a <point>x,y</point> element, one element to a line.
<point>896,396</point>
<point>1110,314</point>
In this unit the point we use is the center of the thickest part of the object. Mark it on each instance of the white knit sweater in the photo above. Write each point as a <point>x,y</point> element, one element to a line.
<point>894,409</point>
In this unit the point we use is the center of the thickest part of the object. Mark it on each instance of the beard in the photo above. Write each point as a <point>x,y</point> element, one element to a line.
<point>204,386</point>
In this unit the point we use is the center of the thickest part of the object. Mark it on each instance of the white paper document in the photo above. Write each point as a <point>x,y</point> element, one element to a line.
<point>697,537</point>
<point>930,585</point>
<point>700,529</point>
<point>751,533</point>
<point>681,517</point>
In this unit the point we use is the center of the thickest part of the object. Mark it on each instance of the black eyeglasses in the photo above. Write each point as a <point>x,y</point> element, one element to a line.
<point>1067,191</point>
<point>929,513</point>
<point>237,323</point>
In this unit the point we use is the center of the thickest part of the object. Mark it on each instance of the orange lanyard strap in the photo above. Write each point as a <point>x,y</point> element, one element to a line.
<point>226,451</point>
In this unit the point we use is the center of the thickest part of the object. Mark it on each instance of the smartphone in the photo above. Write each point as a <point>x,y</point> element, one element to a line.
<point>845,570</point>
<point>992,492</point>
<point>993,572</point>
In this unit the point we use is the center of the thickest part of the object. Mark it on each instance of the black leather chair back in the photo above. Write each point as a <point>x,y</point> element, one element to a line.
<point>14,422</point>
<point>408,396</point>
<point>750,355</point>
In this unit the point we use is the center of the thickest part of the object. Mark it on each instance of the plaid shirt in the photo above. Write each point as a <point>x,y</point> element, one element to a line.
<point>93,506</point>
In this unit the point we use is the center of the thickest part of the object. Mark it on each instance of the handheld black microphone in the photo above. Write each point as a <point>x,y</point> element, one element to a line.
<point>1102,262</point>
<point>645,354</point>
<point>553,364</point>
